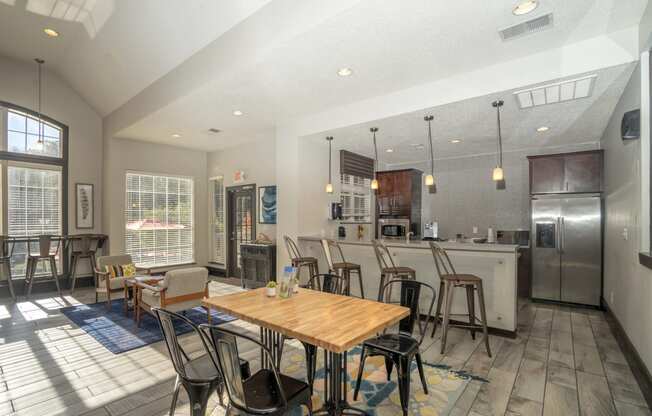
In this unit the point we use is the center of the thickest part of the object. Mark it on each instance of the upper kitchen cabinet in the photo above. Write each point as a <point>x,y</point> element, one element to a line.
<point>399,195</point>
<point>578,172</point>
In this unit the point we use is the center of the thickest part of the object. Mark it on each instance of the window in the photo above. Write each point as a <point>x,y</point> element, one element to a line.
<point>355,194</point>
<point>23,135</point>
<point>34,208</point>
<point>218,235</point>
<point>33,171</point>
<point>159,219</point>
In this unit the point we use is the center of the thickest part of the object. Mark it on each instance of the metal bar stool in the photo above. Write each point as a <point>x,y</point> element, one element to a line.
<point>6,251</point>
<point>300,261</point>
<point>84,246</point>
<point>45,253</point>
<point>449,280</point>
<point>342,268</point>
<point>388,270</point>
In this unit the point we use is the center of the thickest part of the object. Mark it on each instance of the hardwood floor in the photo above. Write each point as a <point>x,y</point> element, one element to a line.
<point>563,362</point>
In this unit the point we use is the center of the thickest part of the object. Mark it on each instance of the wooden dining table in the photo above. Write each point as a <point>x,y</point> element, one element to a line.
<point>333,322</point>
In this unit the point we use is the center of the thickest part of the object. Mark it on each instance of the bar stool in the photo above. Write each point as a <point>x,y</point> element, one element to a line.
<point>298,260</point>
<point>84,246</point>
<point>343,268</point>
<point>388,270</point>
<point>6,251</point>
<point>44,253</point>
<point>449,280</point>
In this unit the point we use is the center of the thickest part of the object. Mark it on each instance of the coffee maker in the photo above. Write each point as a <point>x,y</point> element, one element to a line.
<point>430,230</point>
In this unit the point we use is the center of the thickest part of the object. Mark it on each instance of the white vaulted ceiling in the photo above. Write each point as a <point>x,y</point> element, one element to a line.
<point>110,50</point>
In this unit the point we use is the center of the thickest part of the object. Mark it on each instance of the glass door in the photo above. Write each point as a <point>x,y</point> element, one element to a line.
<point>241,211</point>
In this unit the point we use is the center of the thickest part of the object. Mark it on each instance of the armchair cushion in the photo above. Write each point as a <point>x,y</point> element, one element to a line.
<point>120,270</point>
<point>174,288</point>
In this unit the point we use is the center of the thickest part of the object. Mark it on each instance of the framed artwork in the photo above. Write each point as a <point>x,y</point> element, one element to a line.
<point>84,199</point>
<point>267,204</point>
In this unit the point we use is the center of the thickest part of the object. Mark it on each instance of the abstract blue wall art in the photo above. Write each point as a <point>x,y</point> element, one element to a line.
<point>267,204</point>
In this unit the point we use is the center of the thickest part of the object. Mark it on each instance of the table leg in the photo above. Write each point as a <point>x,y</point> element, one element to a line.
<point>335,380</point>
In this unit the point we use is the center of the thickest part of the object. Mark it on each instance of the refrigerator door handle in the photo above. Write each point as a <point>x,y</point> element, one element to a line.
<point>562,235</point>
<point>558,235</point>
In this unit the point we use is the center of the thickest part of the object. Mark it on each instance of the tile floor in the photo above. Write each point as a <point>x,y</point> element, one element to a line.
<point>564,362</point>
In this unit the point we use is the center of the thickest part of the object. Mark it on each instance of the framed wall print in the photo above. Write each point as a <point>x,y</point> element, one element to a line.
<point>84,199</point>
<point>267,204</point>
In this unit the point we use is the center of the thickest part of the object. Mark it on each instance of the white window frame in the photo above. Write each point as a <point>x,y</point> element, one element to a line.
<point>192,213</point>
<point>355,189</point>
<point>213,221</point>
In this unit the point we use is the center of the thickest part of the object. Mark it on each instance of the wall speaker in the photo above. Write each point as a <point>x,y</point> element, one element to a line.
<point>630,127</point>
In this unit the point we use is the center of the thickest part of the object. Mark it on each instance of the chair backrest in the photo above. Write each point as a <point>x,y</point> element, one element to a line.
<point>443,263</point>
<point>104,261</point>
<point>291,246</point>
<point>185,281</point>
<point>178,356</point>
<point>327,282</point>
<point>44,244</point>
<point>86,244</point>
<point>326,246</point>
<point>337,248</point>
<point>411,291</point>
<point>6,246</point>
<point>383,256</point>
<point>224,343</point>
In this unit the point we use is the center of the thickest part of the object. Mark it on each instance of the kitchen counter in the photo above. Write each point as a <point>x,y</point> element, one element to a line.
<point>496,264</point>
<point>420,244</point>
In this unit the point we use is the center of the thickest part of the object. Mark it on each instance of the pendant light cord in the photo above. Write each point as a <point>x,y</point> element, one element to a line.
<point>40,62</point>
<point>498,104</point>
<point>330,152</point>
<point>374,130</point>
<point>432,151</point>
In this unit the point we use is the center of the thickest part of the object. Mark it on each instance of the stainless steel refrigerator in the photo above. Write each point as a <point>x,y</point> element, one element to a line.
<point>567,248</point>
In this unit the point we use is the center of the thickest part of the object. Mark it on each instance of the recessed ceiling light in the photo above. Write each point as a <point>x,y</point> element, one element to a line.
<point>237,113</point>
<point>176,135</point>
<point>390,150</point>
<point>525,7</point>
<point>51,32</point>
<point>455,141</point>
<point>543,129</point>
<point>345,72</point>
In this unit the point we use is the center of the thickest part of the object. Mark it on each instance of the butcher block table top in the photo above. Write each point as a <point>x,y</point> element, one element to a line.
<point>333,322</point>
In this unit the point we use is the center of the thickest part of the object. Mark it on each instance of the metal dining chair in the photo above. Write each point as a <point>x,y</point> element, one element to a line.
<point>342,268</point>
<point>6,251</point>
<point>44,253</point>
<point>401,348</point>
<point>199,376</point>
<point>298,260</point>
<point>266,392</point>
<point>388,269</point>
<point>84,246</point>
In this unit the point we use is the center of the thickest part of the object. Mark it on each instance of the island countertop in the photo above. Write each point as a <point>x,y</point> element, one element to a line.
<point>424,245</point>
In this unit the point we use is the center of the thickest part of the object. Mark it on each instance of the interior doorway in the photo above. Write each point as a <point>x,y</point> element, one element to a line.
<point>241,223</point>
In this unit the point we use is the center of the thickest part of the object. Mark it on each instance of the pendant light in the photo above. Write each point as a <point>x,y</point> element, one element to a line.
<point>40,63</point>
<point>329,185</point>
<point>430,178</point>
<point>374,182</point>
<point>498,174</point>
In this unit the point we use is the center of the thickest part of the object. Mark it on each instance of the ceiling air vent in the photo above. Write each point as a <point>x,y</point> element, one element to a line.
<point>531,26</point>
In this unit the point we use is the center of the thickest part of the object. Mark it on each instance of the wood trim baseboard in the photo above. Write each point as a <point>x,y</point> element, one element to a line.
<point>641,372</point>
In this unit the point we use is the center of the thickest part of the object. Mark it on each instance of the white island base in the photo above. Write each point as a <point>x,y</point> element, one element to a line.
<point>496,264</point>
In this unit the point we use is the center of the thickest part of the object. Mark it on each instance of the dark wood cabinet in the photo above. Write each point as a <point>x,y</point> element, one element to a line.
<point>399,196</point>
<point>258,264</point>
<point>578,172</point>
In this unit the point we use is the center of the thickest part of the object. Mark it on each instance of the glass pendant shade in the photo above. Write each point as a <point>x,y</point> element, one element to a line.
<point>329,188</point>
<point>374,184</point>
<point>430,180</point>
<point>498,174</point>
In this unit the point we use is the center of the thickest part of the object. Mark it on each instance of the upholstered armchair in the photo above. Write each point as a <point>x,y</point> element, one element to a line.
<point>105,282</point>
<point>179,290</point>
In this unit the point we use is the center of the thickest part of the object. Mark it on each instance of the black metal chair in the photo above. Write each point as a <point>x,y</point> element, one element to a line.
<point>6,251</point>
<point>199,376</point>
<point>266,392</point>
<point>45,253</point>
<point>399,349</point>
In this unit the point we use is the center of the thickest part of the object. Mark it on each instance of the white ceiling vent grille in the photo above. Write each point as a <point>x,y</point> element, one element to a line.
<point>531,26</point>
<point>572,89</point>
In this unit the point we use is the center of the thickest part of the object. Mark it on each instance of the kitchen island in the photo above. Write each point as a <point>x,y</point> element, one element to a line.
<point>496,264</point>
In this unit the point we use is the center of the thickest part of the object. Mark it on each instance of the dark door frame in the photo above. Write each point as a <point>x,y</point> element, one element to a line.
<point>230,246</point>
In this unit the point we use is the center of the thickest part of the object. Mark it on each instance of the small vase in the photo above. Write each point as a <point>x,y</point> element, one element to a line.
<point>271,291</point>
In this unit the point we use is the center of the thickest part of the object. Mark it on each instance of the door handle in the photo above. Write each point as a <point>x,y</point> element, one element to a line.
<point>562,234</point>
<point>558,234</point>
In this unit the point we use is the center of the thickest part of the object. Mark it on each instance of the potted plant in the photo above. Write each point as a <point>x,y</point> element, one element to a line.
<point>271,289</point>
<point>295,285</point>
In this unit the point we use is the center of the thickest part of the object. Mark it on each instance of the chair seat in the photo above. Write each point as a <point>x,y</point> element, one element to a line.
<point>260,391</point>
<point>304,260</point>
<point>399,270</point>
<point>346,266</point>
<point>114,283</point>
<point>39,257</point>
<point>467,278</point>
<point>393,343</point>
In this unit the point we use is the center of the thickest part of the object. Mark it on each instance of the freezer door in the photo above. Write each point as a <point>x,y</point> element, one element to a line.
<point>581,250</point>
<point>546,259</point>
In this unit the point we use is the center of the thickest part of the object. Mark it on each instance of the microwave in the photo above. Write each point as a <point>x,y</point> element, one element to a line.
<point>393,228</point>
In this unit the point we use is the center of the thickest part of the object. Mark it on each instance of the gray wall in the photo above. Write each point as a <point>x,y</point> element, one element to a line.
<point>467,197</point>
<point>627,284</point>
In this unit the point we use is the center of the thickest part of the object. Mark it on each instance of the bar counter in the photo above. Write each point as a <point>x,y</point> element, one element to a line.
<point>496,264</point>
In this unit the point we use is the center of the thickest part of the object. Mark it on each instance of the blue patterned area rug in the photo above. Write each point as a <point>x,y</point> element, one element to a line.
<point>119,333</point>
